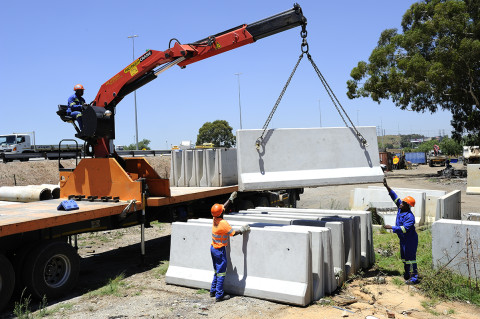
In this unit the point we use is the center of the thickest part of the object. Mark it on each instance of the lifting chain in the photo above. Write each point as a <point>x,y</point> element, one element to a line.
<point>304,48</point>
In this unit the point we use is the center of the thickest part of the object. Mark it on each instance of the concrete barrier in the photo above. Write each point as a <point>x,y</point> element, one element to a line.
<point>360,199</point>
<point>338,242</point>
<point>367,255</point>
<point>431,197</point>
<point>323,270</point>
<point>175,167</point>
<point>449,206</point>
<point>351,232</point>
<point>254,263</point>
<point>455,245</point>
<point>187,168</point>
<point>473,179</point>
<point>323,161</point>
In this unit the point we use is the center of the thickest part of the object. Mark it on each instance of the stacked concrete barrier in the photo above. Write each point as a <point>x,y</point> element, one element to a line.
<point>338,242</point>
<point>473,179</point>
<point>279,269</point>
<point>455,245</point>
<point>367,255</point>
<point>323,268</point>
<point>204,167</point>
<point>350,240</point>
<point>275,164</point>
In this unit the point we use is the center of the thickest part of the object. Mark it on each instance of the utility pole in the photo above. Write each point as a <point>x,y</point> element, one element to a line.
<point>239,104</point>
<point>135,92</point>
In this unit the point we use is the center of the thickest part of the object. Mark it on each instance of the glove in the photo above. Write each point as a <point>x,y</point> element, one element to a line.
<point>233,196</point>
<point>245,228</point>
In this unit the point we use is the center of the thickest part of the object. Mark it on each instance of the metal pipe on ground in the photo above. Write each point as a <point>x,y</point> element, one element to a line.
<point>29,193</point>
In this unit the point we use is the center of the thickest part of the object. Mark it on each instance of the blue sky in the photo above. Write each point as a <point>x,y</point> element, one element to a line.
<point>49,46</point>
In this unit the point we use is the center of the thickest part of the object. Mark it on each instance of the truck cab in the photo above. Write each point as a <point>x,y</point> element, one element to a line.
<point>15,143</point>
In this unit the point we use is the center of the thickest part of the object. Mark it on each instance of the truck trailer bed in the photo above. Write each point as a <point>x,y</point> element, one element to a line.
<point>25,217</point>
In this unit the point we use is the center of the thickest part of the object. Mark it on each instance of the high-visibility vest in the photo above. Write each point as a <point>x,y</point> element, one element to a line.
<point>220,233</point>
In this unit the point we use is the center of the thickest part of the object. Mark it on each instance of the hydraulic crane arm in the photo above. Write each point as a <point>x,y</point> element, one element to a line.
<point>98,117</point>
<point>147,67</point>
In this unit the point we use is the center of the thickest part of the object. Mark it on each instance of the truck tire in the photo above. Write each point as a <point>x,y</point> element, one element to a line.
<point>51,269</point>
<point>261,201</point>
<point>244,204</point>
<point>7,281</point>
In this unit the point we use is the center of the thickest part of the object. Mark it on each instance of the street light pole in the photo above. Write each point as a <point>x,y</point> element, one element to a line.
<point>135,92</point>
<point>239,104</point>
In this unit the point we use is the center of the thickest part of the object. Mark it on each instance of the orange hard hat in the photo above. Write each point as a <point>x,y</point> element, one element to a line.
<point>409,200</point>
<point>217,210</point>
<point>78,87</point>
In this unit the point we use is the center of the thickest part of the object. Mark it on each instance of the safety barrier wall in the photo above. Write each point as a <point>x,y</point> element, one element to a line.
<point>324,161</point>
<point>324,281</point>
<point>282,273</point>
<point>206,168</point>
<point>473,179</point>
<point>449,206</point>
<point>361,198</point>
<point>338,242</point>
<point>367,256</point>
<point>455,245</point>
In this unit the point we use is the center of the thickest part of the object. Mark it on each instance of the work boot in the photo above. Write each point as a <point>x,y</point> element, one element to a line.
<point>212,293</point>
<point>413,280</point>
<point>406,276</point>
<point>222,298</point>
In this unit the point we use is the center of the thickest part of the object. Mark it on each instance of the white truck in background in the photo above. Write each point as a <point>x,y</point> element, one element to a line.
<point>471,155</point>
<point>21,146</point>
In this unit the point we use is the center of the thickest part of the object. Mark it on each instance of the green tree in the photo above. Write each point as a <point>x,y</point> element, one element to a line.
<point>218,132</point>
<point>434,64</point>
<point>426,146</point>
<point>143,144</point>
<point>449,146</point>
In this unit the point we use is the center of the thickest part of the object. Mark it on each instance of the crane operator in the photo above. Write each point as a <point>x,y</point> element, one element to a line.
<point>75,105</point>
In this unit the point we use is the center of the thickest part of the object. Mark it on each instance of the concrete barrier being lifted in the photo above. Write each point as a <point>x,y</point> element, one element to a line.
<point>329,156</point>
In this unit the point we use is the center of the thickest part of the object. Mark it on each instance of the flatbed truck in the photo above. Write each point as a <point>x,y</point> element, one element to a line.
<point>38,248</point>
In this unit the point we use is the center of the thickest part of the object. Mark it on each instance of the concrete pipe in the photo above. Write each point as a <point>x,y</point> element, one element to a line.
<point>55,189</point>
<point>30,193</point>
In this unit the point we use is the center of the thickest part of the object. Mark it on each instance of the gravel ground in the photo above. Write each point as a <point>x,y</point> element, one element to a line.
<point>141,291</point>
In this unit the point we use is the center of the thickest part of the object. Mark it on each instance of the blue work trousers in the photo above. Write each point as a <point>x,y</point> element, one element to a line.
<point>219,260</point>
<point>408,253</point>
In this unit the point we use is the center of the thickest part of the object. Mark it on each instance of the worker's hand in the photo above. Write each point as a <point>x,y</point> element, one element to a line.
<point>245,228</point>
<point>387,226</point>
<point>85,105</point>
<point>233,196</point>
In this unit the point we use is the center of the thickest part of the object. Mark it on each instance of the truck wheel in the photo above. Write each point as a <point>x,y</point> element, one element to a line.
<point>245,204</point>
<point>51,269</point>
<point>262,202</point>
<point>7,281</point>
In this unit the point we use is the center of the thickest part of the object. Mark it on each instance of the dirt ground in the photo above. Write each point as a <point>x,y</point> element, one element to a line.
<point>143,292</point>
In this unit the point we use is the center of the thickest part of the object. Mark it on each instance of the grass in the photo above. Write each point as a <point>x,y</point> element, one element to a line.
<point>437,284</point>
<point>22,309</point>
<point>114,287</point>
<point>161,269</point>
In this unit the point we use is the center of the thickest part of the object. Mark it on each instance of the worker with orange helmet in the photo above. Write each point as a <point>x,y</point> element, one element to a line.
<point>221,231</point>
<point>75,104</point>
<point>405,230</point>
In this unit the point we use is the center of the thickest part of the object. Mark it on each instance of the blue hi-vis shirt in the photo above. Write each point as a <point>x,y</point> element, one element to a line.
<point>405,222</point>
<point>75,103</point>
